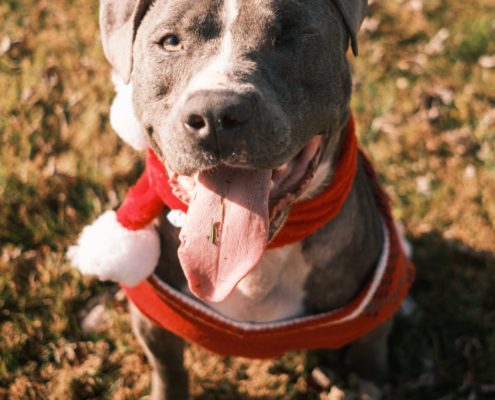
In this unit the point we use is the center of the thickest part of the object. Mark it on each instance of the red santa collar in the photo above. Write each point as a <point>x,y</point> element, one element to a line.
<point>147,198</point>
<point>378,300</point>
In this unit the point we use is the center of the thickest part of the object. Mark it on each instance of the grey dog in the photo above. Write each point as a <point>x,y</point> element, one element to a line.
<point>248,85</point>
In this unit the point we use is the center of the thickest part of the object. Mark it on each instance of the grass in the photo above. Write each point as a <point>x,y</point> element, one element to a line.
<point>425,106</point>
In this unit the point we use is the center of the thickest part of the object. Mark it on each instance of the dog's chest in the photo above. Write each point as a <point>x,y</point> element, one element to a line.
<point>273,291</point>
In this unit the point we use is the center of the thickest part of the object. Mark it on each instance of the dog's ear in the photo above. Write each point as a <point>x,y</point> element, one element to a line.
<point>119,20</point>
<point>353,12</point>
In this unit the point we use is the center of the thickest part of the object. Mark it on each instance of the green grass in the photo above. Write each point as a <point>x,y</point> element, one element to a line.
<point>425,108</point>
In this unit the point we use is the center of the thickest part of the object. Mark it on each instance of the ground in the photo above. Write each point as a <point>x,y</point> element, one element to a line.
<point>425,109</point>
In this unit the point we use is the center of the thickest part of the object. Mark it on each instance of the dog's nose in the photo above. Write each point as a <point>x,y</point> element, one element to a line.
<point>217,117</point>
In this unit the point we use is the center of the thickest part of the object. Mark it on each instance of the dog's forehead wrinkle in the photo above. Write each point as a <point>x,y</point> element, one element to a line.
<point>242,38</point>
<point>271,12</point>
<point>187,16</point>
<point>226,67</point>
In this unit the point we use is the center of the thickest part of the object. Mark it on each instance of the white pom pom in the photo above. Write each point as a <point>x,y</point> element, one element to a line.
<point>122,116</point>
<point>112,252</point>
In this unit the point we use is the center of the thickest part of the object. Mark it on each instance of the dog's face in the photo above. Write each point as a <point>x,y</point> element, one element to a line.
<point>239,84</point>
<point>237,97</point>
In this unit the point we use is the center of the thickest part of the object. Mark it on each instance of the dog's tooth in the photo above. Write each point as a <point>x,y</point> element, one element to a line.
<point>282,168</point>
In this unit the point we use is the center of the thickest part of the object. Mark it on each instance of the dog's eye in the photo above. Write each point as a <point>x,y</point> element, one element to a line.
<point>171,43</point>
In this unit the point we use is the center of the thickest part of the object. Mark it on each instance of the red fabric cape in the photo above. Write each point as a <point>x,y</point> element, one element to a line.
<point>188,318</point>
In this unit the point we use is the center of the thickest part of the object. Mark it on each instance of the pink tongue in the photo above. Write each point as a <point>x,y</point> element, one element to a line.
<point>226,230</point>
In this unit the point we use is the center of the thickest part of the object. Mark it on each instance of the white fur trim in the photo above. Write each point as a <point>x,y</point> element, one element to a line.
<point>377,278</point>
<point>404,243</point>
<point>112,252</point>
<point>123,118</point>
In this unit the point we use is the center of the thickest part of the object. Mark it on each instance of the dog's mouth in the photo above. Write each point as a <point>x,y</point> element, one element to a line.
<point>233,213</point>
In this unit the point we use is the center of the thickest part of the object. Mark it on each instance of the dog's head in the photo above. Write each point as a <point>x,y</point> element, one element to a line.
<point>241,99</point>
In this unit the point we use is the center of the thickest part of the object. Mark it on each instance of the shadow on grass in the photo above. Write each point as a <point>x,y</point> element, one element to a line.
<point>446,348</point>
<point>224,390</point>
<point>227,390</point>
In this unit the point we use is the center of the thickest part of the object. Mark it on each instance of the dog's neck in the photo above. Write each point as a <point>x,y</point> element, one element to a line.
<point>345,252</point>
